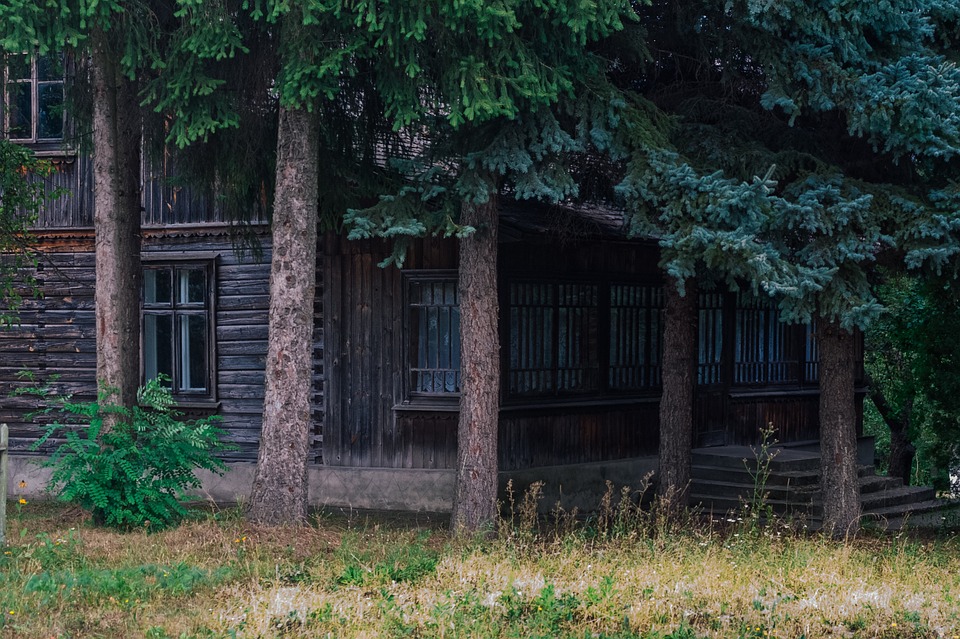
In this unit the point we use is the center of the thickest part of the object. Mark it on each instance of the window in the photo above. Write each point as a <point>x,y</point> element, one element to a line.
<point>765,348</point>
<point>33,99</point>
<point>710,339</point>
<point>554,345</point>
<point>177,327</point>
<point>433,335</point>
<point>636,314</point>
<point>583,339</point>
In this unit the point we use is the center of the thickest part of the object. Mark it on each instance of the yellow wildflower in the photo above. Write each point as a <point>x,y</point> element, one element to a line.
<point>23,501</point>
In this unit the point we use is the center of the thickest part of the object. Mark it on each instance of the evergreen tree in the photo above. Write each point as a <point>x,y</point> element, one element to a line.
<point>499,98</point>
<point>850,114</point>
<point>21,199</point>
<point>117,40</point>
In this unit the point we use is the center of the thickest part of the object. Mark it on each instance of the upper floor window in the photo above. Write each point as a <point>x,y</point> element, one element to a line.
<point>33,98</point>
<point>178,327</point>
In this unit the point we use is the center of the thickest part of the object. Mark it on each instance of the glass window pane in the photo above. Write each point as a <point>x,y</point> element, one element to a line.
<point>157,346</point>
<point>50,110</point>
<point>18,66</point>
<point>157,286</point>
<point>19,111</point>
<point>192,285</point>
<point>50,67</point>
<point>193,353</point>
<point>434,337</point>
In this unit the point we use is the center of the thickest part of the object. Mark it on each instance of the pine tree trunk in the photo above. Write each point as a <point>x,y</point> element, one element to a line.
<point>902,453</point>
<point>279,494</point>
<point>839,479</point>
<point>679,382</point>
<point>475,497</point>
<point>116,179</point>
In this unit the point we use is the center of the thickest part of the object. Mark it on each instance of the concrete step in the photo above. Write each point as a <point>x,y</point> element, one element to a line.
<point>743,476</point>
<point>737,490</point>
<point>724,481</point>
<point>724,505</point>
<point>793,479</point>
<point>931,513</point>
<point>743,457</point>
<point>876,483</point>
<point>902,496</point>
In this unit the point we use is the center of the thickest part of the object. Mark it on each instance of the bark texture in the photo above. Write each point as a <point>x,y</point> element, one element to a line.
<point>475,498</point>
<point>679,382</point>
<point>902,450</point>
<point>116,196</point>
<point>279,494</point>
<point>839,479</point>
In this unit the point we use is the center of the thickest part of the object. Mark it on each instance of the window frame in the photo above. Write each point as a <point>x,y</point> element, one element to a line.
<point>209,262</point>
<point>605,391</point>
<point>413,398</point>
<point>41,146</point>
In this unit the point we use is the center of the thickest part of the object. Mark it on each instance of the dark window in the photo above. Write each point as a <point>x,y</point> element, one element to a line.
<point>710,338</point>
<point>177,327</point>
<point>636,315</point>
<point>434,335</point>
<point>765,349</point>
<point>33,98</point>
<point>811,369</point>
<point>554,342</point>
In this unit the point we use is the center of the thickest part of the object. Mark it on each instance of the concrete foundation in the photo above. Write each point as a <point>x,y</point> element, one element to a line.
<point>575,486</point>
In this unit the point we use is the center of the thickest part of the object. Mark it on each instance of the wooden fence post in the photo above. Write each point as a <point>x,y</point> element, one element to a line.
<point>4,438</point>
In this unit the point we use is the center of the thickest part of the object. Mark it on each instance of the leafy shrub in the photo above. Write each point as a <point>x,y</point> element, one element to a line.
<point>135,472</point>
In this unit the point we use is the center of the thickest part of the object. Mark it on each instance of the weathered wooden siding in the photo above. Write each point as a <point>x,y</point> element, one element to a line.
<point>56,334</point>
<point>364,359</point>
<point>73,176</point>
<point>369,424</point>
<point>574,435</point>
<point>164,201</point>
<point>55,339</point>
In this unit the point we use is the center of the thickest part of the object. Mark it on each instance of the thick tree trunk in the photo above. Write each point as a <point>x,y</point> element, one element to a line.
<point>902,450</point>
<point>279,494</point>
<point>116,193</point>
<point>475,500</point>
<point>679,383</point>
<point>839,480</point>
<point>902,453</point>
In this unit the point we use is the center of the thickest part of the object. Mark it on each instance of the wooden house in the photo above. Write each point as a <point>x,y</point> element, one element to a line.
<point>581,325</point>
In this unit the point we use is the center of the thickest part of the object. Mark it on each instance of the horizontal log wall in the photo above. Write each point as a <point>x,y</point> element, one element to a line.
<point>54,339</point>
<point>56,335</point>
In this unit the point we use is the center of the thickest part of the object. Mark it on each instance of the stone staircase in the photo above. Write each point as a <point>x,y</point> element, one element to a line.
<point>725,478</point>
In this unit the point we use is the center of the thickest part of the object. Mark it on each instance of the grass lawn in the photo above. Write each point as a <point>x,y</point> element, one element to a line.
<point>376,577</point>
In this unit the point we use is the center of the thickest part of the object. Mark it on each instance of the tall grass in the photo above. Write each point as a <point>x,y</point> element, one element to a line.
<point>622,574</point>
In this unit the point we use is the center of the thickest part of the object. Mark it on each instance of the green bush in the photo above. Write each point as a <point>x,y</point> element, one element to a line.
<point>136,472</point>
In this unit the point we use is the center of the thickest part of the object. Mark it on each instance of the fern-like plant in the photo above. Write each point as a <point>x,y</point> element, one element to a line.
<point>135,473</point>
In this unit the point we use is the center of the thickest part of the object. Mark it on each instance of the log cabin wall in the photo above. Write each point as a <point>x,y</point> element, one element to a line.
<point>748,376</point>
<point>365,363</point>
<point>56,335</point>
<point>566,428</point>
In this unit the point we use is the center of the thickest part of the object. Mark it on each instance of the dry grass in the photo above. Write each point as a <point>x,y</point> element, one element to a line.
<point>218,577</point>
